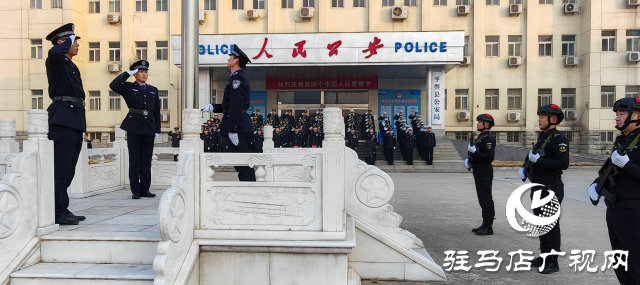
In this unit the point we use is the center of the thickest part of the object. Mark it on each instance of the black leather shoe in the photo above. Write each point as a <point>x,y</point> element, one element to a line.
<point>79,218</point>
<point>478,228</point>
<point>551,266</point>
<point>66,220</point>
<point>135,196</point>
<point>487,231</point>
<point>537,262</point>
<point>147,194</point>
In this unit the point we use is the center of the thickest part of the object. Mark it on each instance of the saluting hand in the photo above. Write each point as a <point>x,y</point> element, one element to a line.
<point>132,72</point>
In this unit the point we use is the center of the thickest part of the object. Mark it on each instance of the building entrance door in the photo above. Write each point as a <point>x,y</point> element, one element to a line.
<point>311,101</point>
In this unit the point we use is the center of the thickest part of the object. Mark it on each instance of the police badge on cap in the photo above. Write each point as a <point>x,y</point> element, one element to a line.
<point>63,32</point>
<point>140,65</point>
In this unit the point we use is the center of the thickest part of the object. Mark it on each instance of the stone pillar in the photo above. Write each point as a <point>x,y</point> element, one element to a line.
<point>121,144</point>
<point>8,136</point>
<point>191,142</point>
<point>333,170</point>
<point>38,128</point>
<point>80,184</point>
<point>267,147</point>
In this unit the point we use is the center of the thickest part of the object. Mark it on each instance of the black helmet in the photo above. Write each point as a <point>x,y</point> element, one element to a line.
<point>627,104</point>
<point>552,109</point>
<point>486,118</point>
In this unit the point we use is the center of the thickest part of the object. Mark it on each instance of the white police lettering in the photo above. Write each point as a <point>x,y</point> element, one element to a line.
<point>581,259</point>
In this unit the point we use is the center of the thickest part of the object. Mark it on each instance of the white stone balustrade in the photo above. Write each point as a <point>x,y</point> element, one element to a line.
<point>8,136</point>
<point>97,178</point>
<point>162,171</point>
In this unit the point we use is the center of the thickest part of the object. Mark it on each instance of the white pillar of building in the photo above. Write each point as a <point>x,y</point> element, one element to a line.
<point>436,100</point>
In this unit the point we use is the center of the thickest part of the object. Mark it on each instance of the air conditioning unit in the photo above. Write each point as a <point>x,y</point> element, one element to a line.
<point>306,12</point>
<point>463,10</point>
<point>634,57</point>
<point>571,8</point>
<point>113,67</point>
<point>399,12</point>
<point>515,61</point>
<point>113,19</point>
<point>252,14</point>
<point>201,17</point>
<point>515,9</point>
<point>466,60</point>
<point>571,115</point>
<point>571,61</point>
<point>513,117</point>
<point>463,116</point>
<point>164,117</point>
<point>633,3</point>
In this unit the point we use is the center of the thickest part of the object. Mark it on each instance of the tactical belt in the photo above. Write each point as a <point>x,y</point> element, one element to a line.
<point>226,111</point>
<point>143,112</point>
<point>68,99</point>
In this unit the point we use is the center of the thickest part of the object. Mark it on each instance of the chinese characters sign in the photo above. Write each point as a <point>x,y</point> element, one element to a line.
<point>258,101</point>
<point>394,101</point>
<point>437,97</point>
<point>325,84</point>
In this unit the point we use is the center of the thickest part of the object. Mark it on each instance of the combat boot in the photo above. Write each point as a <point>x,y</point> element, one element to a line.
<point>487,231</point>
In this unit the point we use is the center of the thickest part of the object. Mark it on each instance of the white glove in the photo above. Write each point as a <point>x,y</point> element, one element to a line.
<point>471,148</point>
<point>619,160</point>
<point>73,38</point>
<point>394,147</point>
<point>533,157</point>
<point>156,138</point>
<point>592,192</point>
<point>132,72</point>
<point>234,138</point>
<point>521,173</point>
<point>208,108</point>
<point>466,163</point>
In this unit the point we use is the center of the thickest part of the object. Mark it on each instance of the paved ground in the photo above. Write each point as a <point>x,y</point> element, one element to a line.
<point>440,208</point>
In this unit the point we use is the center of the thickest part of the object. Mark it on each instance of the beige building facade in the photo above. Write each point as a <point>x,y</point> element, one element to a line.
<point>515,55</point>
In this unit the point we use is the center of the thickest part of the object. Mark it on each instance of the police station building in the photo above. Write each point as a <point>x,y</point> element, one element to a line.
<point>449,60</point>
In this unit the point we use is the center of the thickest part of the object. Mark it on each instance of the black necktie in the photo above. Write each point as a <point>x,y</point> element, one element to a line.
<point>144,88</point>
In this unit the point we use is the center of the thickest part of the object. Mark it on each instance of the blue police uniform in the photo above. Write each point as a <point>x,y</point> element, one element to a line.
<point>141,123</point>
<point>67,119</point>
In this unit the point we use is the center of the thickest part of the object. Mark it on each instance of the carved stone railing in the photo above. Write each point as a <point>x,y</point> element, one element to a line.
<point>162,171</point>
<point>98,171</point>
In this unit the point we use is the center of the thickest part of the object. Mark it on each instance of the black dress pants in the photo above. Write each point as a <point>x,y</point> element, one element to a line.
<point>67,143</point>
<point>624,234</point>
<point>245,173</point>
<point>428,152</point>
<point>140,153</point>
<point>483,177</point>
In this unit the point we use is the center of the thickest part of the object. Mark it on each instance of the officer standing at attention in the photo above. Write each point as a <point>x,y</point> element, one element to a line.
<point>622,197</point>
<point>483,151</point>
<point>142,124</point>
<point>409,145</point>
<point>550,158</point>
<point>66,116</point>
<point>236,123</point>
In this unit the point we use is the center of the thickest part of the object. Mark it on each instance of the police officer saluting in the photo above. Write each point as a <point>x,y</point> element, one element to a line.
<point>482,152</point>
<point>549,158</point>
<point>66,116</point>
<point>622,197</point>
<point>236,123</point>
<point>142,124</point>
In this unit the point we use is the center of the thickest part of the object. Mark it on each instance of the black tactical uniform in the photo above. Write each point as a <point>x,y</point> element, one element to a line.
<point>429,144</point>
<point>277,139</point>
<point>142,123</point>
<point>480,161</point>
<point>258,143</point>
<point>352,142</point>
<point>409,145</point>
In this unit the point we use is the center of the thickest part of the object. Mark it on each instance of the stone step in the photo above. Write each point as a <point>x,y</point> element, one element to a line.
<point>100,247</point>
<point>83,273</point>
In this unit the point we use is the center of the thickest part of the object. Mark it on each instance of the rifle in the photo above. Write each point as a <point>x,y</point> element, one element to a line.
<point>608,168</point>
<point>469,154</point>
<point>527,162</point>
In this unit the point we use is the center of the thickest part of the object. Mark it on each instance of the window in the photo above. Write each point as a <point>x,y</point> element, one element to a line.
<point>287,4</point>
<point>462,136</point>
<point>513,137</point>
<point>492,46</point>
<point>94,52</point>
<point>162,50</point>
<point>514,99</point>
<point>608,40</point>
<point>544,97</point>
<point>412,3</point>
<point>445,99</point>
<point>94,6</point>
<point>36,99</point>
<point>114,101</point>
<point>112,137</point>
<point>515,1</point>
<point>337,3</point>
<point>491,99</point>
<point>548,2</point>
<point>36,4</point>
<point>210,4</point>
<point>569,136</point>
<point>608,96</point>
<point>36,49</point>
<point>114,51</point>
<point>94,137</point>
<point>94,100</point>
<point>259,4</point>
<point>164,99</point>
<point>388,3</point>
<point>359,3</point>
<point>462,99</point>
<point>568,45</point>
<point>633,37</point>
<point>544,45</point>
<point>606,136</point>
<point>161,5</point>
<point>239,4</point>
<point>631,91</point>
<point>439,2</point>
<point>141,5</point>
<point>515,45</point>
<point>307,3</point>
<point>493,2</point>
<point>114,6</point>
<point>141,50</point>
<point>568,98</point>
<point>568,1</point>
<point>465,51</point>
<point>56,4</point>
